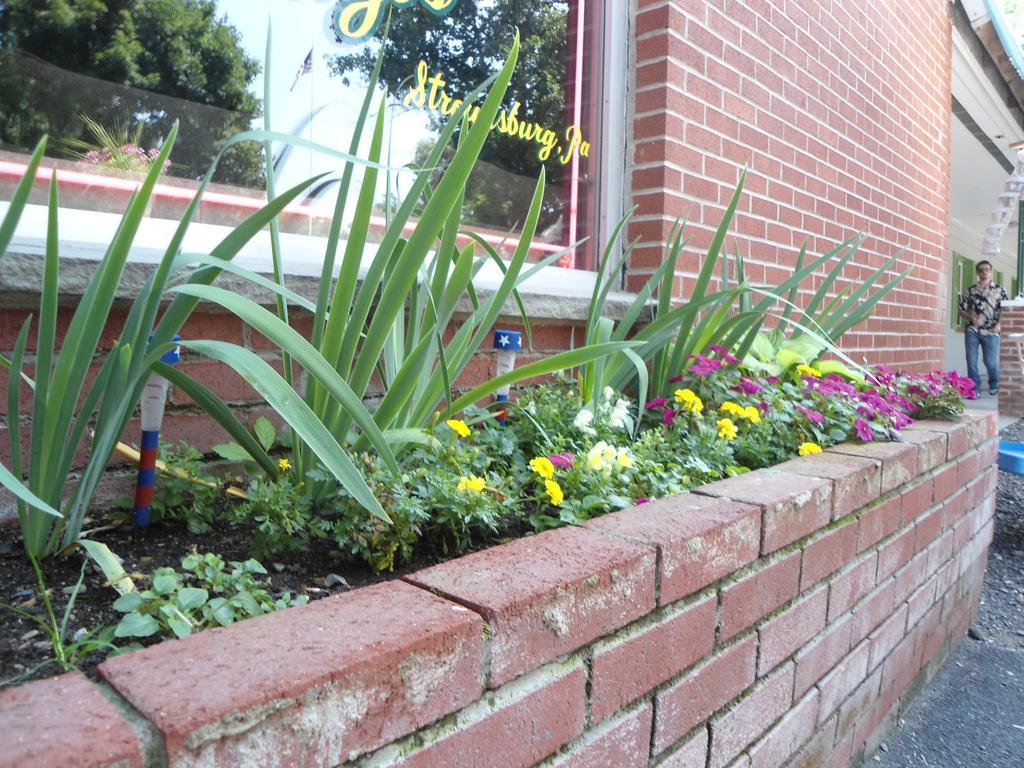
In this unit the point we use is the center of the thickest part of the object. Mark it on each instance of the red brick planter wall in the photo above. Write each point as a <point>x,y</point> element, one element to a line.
<point>791,611</point>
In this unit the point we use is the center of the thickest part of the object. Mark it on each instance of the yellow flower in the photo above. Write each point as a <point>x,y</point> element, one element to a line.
<point>806,370</point>
<point>284,465</point>
<point>751,414</point>
<point>554,492</point>
<point>726,429</point>
<point>624,459</point>
<point>472,483</point>
<point>458,426</point>
<point>806,449</point>
<point>734,409</point>
<point>542,466</point>
<point>689,400</point>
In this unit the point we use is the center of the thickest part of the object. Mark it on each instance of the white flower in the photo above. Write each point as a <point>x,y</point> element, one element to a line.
<point>609,393</point>
<point>582,422</point>
<point>619,418</point>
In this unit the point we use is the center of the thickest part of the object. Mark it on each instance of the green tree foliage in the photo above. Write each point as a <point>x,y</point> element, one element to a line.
<point>466,45</point>
<point>124,63</point>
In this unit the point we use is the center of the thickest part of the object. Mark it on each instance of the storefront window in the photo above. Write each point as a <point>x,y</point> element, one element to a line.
<point>107,80</point>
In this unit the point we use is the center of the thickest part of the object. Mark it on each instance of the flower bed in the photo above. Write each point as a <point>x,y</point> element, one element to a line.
<point>782,611</point>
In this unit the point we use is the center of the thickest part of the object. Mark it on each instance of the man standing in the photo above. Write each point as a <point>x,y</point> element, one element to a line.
<point>980,307</point>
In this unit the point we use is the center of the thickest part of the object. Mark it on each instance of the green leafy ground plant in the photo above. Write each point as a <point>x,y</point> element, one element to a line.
<point>209,593</point>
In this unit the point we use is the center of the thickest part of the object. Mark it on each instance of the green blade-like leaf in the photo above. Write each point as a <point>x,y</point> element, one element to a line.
<point>216,409</point>
<point>107,561</point>
<point>15,486</point>
<point>20,197</point>
<point>708,268</point>
<point>449,189</point>
<point>560,362</point>
<point>302,351</point>
<point>283,399</point>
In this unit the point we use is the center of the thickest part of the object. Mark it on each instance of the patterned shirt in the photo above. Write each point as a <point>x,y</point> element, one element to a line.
<point>984,302</point>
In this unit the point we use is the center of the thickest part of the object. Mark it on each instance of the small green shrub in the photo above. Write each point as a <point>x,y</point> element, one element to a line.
<point>283,514</point>
<point>184,492</point>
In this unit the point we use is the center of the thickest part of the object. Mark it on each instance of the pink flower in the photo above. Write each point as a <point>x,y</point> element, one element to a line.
<point>656,403</point>
<point>641,500</point>
<point>562,460</point>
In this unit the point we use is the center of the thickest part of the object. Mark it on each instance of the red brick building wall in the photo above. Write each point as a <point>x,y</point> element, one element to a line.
<point>841,113</point>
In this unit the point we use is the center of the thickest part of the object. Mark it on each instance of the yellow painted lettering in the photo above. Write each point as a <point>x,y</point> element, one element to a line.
<point>506,122</point>
<point>436,82</point>
<point>548,140</point>
<point>417,95</point>
<point>527,131</point>
<point>511,121</point>
<point>449,106</point>
<point>359,18</point>
<point>572,135</point>
<point>438,6</point>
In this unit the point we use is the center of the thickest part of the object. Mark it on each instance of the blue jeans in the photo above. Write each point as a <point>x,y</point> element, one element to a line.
<point>989,352</point>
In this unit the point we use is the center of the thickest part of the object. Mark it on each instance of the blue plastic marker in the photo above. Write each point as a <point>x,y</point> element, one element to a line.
<point>154,399</point>
<point>507,343</point>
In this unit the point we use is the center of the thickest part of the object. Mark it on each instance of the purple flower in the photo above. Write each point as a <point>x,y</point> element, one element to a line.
<point>703,366</point>
<point>748,386</point>
<point>813,416</point>
<point>723,354</point>
<point>641,500</point>
<point>562,460</point>
<point>863,430</point>
<point>656,403</point>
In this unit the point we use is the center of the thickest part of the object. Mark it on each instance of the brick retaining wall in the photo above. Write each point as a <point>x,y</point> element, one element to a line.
<point>784,615</point>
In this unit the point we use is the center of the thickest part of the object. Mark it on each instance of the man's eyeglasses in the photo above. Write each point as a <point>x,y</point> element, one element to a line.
<point>979,270</point>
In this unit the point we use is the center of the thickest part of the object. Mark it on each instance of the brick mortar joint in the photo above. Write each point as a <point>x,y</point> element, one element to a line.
<point>150,739</point>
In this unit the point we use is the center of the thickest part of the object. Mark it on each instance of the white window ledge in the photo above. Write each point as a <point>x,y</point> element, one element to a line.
<point>553,294</point>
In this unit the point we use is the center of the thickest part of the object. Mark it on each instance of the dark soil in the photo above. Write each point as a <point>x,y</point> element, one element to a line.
<point>24,646</point>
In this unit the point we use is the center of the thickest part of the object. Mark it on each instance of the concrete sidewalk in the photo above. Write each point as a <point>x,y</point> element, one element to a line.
<point>971,715</point>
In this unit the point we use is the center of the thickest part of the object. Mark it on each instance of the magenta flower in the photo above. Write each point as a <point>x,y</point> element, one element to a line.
<point>562,460</point>
<point>748,386</point>
<point>641,500</point>
<point>814,417</point>
<point>723,354</point>
<point>656,403</point>
<point>863,430</point>
<point>703,366</point>
<point>901,420</point>
<point>668,417</point>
